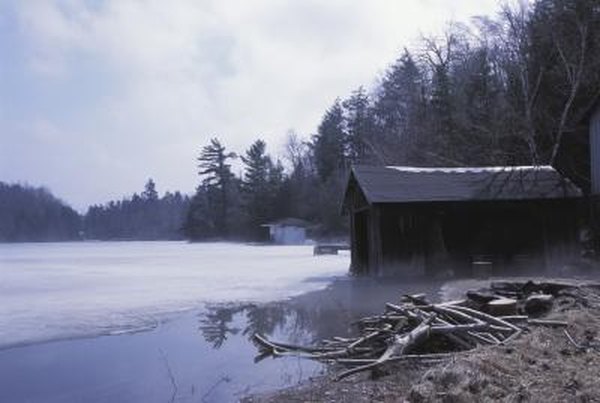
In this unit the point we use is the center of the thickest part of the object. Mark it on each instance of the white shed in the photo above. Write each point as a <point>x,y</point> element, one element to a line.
<point>288,231</point>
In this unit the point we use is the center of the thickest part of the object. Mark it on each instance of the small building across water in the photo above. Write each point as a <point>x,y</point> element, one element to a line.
<point>288,231</point>
<point>420,221</point>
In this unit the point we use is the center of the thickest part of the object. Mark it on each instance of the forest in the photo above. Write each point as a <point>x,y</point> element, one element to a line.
<point>146,216</point>
<point>498,90</point>
<point>29,214</point>
<point>492,92</point>
<point>34,214</point>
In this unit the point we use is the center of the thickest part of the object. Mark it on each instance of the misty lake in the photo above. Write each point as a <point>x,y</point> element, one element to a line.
<point>167,321</point>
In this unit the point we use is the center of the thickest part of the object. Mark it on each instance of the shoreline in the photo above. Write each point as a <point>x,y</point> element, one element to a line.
<point>542,354</point>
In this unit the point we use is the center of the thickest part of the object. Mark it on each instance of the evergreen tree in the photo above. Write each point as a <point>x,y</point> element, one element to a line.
<point>218,179</point>
<point>150,193</point>
<point>199,223</point>
<point>361,141</point>
<point>329,143</point>
<point>258,186</point>
<point>399,110</point>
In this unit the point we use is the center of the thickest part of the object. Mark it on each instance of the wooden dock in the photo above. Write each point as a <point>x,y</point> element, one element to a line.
<point>329,249</point>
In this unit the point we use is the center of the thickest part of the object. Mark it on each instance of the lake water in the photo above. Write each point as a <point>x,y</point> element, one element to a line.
<point>167,321</point>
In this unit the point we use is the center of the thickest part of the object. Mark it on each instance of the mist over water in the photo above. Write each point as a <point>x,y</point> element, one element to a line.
<point>53,291</point>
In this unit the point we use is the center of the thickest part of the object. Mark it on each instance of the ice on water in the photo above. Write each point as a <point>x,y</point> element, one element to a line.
<point>60,290</point>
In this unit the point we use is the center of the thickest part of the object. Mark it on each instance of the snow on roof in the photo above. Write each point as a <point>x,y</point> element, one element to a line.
<point>516,168</point>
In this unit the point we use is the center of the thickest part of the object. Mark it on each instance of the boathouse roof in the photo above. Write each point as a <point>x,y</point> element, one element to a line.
<point>401,184</point>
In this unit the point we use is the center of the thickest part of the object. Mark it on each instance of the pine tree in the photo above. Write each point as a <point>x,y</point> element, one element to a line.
<point>361,131</point>
<point>217,178</point>
<point>329,143</point>
<point>399,110</point>
<point>257,186</point>
<point>150,193</point>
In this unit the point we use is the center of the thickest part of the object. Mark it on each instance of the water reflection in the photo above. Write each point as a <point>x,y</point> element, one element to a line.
<point>215,324</point>
<point>310,317</point>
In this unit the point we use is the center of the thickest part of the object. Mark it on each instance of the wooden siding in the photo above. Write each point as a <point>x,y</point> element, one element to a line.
<point>595,151</point>
<point>429,238</point>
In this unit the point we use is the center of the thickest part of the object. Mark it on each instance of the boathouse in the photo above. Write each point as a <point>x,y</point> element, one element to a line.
<point>421,221</point>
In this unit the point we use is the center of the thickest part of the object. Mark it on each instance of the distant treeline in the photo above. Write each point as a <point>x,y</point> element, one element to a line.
<point>34,214</point>
<point>142,217</point>
<point>502,90</point>
<point>29,214</point>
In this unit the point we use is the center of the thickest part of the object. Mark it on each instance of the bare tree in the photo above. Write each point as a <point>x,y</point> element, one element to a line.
<point>517,45</point>
<point>573,61</point>
<point>295,149</point>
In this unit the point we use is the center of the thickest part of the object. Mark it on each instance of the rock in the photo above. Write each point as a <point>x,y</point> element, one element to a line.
<point>538,304</point>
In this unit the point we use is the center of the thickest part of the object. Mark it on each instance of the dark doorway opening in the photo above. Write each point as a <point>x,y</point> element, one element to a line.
<point>361,234</point>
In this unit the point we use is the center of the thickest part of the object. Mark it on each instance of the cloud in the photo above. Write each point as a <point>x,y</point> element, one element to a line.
<point>134,88</point>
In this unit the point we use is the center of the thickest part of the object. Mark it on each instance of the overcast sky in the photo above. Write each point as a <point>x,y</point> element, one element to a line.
<point>96,96</point>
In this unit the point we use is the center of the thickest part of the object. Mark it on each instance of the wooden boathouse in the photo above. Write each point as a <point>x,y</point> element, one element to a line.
<point>420,221</point>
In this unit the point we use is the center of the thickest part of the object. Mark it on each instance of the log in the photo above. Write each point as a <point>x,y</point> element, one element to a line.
<point>400,345</point>
<point>475,327</point>
<point>406,357</point>
<point>368,337</point>
<point>547,322</point>
<point>268,345</point>
<point>515,318</point>
<point>456,313</point>
<point>399,309</point>
<point>492,319</point>
<point>487,338</point>
<point>465,341</point>
<point>453,303</point>
<point>264,344</point>
<point>511,337</point>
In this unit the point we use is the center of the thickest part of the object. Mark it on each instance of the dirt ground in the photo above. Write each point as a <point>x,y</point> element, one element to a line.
<point>542,365</point>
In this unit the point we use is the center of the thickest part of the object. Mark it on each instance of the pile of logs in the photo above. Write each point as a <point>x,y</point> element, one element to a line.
<point>418,330</point>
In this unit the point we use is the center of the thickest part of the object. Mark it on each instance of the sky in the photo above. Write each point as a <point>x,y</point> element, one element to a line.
<point>97,96</point>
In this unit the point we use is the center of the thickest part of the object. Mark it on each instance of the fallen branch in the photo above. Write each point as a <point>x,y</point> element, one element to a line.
<point>399,346</point>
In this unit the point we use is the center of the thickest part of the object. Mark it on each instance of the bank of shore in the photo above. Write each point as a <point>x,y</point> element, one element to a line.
<point>543,364</point>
